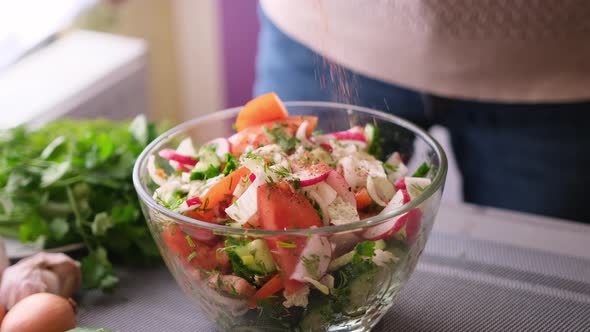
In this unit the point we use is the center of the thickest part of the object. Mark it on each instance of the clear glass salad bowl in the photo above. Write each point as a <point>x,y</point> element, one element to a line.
<point>361,294</point>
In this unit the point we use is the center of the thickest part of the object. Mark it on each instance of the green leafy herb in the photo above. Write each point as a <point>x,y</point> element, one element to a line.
<point>311,263</point>
<point>422,171</point>
<point>365,249</point>
<point>278,135</point>
<point>283,244</point>
<point>375,140</point>
<point>231,164</point>
<point>390,167</point>
<point>211,172</point>
<point>70,182</point>
<point>191,256</point>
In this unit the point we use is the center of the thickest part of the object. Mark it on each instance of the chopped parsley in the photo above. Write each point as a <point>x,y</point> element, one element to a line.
<point>311,264</point>
<point>189,240</point>
<point>391,167</point>
<point>289,245</point>
<point>231,164</point>
<point>418,187</point>
<point>191,256</point>
<point>211,172</point>
<point>278,135</point>
<point>422,171</point>
<point>365,249</point>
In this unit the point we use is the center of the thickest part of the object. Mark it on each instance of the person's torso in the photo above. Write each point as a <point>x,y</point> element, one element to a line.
<point>501,50</point>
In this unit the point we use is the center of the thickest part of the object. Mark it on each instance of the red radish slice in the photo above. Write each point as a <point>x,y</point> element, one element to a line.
<point>326,147</point>
<point>350,136</point>
<point>222,146</point>
<point>312,175</point>
<point>413,223</point>
<point>388,228</point>
<point>406,196</point>
<point>200,234</point>
<point>171,154</point>
<point>339,184</point>
<point>193,201</point>
<point>314,259</point>
<point>400,184</point>
<point>181,167</point>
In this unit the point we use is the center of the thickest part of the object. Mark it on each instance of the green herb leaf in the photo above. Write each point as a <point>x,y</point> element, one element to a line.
<point>55,181</point>
<point>54,173</point>
<point>278,135</point>
<point>211,172</point>
<point>59,227</point>
<point>97,271</point>
<point>390,167</point>
<point>422,171</point>
<point>365,248</point>
<point>101,224</point>
<point>231,164</point>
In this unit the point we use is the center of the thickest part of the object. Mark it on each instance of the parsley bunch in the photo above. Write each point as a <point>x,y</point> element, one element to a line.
<point>71,182</point>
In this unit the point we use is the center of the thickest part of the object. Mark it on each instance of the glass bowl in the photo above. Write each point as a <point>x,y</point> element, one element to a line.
<point>360,296</point>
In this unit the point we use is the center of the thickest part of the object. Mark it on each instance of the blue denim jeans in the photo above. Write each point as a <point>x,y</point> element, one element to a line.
<point>527,157</point>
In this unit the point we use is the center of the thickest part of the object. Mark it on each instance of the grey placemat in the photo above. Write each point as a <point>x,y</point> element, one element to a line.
<point>459,285</point>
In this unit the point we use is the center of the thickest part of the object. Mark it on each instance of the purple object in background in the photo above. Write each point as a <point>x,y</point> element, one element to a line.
<point>239,30</point>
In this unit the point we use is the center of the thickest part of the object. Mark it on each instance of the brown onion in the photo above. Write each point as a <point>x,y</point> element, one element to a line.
<point>41,312</point>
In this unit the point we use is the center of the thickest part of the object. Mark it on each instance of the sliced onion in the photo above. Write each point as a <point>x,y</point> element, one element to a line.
<point>323,206</point>
<point>312,175</point>
<point>415,186</point>
<point>339,184</point>
<point>401,171</point>
<point>222,146</point>
<point>301,133</point>
<point>246,206</point>
<point>171,154</point>
<point>318,250</point>
<point>153,172</point>
<point>326,192</point>
<point>388,228</point>
<point>380,189</point>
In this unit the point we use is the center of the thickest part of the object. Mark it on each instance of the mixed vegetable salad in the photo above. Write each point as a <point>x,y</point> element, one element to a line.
<point>277,173</point>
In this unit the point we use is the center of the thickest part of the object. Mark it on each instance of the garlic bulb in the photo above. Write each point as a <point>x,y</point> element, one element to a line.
<point>43,272</point>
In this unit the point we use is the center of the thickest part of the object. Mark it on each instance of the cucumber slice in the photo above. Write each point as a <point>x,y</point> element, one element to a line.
<point>263,262</point>
<point>209,165</point>
<point>372,135</point>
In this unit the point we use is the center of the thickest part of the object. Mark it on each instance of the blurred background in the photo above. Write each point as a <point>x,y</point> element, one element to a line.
<point>171,59</point>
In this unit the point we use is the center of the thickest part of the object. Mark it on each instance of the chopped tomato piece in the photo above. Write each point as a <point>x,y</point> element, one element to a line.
<point>280,208</point>
<point>220,194</point>
<point>255,135</point>
<point>272,286</point>
<point>193,252</point>
<point>267,107</point>
<point>362,199</point>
